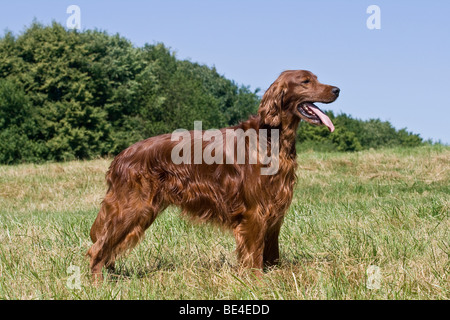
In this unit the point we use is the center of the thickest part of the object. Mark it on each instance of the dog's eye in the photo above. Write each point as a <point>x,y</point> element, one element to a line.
<point>305,81</point>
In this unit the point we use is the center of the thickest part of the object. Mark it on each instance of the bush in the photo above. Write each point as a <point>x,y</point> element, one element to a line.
<point>67,95</point>
<point>355,135</point>
<point>77,95</point>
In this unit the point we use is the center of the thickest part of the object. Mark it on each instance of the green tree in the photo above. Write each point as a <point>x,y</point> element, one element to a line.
<point>69,94</point>
<point>66,94</point>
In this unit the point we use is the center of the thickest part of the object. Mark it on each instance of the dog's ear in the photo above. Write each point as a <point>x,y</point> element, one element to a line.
<point>271,105</point>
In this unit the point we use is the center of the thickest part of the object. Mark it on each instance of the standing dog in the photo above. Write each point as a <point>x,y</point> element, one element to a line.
<point>143,180</point>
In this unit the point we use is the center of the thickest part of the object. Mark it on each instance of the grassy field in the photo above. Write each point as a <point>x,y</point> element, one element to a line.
<point>388,209</point>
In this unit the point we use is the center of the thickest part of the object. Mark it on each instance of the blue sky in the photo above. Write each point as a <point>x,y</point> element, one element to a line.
<point>399,73</point>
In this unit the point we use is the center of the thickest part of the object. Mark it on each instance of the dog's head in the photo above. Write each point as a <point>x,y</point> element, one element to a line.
<point>294,94</point>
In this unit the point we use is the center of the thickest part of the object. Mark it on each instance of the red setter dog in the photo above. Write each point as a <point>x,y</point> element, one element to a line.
<point>143,180</point>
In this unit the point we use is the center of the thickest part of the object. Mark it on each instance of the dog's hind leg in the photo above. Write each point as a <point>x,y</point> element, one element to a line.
<point>120,228</point>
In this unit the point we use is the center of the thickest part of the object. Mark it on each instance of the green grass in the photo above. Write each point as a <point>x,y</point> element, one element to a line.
<point>386,208</point>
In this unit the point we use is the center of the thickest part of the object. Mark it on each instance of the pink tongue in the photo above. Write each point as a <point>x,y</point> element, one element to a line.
<point>323,117</point>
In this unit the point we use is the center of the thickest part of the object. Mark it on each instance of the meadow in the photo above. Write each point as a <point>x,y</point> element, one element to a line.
<point>351,211</point>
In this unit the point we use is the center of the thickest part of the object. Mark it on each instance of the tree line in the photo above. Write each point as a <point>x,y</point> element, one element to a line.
<point>66,95</point>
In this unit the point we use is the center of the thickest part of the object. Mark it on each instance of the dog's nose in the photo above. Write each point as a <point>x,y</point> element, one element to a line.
<point>336,91</point>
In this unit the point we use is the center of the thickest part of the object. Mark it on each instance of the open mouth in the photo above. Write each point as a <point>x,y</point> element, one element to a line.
<point>311,113</point>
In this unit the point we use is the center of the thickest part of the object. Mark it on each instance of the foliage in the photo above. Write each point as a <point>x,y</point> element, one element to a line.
<point>355,135</point>
<point>66,94</point>
<point>69,95</point>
